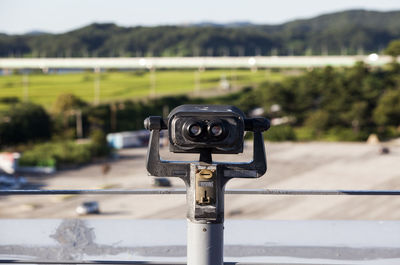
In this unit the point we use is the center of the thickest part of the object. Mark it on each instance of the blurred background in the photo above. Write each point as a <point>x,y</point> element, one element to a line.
<point>77,79</point>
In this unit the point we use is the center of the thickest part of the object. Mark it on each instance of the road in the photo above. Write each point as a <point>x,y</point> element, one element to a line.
<point>314,165</point>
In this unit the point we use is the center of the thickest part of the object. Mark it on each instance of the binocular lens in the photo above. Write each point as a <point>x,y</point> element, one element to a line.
<point>216,130</point>
<point>195,130</point>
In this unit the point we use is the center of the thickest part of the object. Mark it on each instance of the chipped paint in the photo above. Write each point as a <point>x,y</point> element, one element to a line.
<point>75,239</point>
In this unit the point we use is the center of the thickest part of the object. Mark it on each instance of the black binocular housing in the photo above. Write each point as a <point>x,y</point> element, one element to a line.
<point>216,128</point>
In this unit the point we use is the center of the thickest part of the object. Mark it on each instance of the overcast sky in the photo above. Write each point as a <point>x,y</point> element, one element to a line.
<point>21,16</point>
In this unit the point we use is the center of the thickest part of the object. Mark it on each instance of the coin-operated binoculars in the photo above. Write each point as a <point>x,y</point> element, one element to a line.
<point>207,130</point>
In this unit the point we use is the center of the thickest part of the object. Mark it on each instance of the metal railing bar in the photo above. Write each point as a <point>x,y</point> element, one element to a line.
<point>313,192</point>
<point>183,191</point>
<point>88,262</point>
<point>94,192</point>
<point>11,261</point>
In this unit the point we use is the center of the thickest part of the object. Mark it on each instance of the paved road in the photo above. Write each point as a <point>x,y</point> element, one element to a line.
<point>290,166</point>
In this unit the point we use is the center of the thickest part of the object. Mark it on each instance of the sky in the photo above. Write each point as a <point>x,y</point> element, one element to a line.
<point>57,16</point>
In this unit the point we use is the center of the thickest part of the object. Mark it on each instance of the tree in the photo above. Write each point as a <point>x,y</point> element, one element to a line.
<point>318,121</point>
<point>393,49</point>
<point>66,102</point>
<point>64,107</point>
<point>99,144</point>
<point>23,123</point>
<point>388,110</point>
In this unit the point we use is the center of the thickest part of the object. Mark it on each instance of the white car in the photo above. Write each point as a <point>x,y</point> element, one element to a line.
<point>91,207</point>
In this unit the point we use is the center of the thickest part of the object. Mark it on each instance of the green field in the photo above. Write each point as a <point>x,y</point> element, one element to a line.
<point>44,88</point>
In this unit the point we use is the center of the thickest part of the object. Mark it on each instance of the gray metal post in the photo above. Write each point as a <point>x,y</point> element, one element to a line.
<point>205,243</point>
<point>205,218</point>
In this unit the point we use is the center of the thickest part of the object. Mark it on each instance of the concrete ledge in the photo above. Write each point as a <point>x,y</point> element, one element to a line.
<point>305,242</point>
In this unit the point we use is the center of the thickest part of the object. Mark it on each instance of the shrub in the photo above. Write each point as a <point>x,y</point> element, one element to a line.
<point>304,133</point>
<point>66,102</point>
<point>56,154</point>
<point>388,132</point>
<point>9,100</point>
<point>99,145</point>
<point>388,110</point>
<point>280,133</point>
<point>344,134</point>
<point>318,121</point>
<point>24,122</point>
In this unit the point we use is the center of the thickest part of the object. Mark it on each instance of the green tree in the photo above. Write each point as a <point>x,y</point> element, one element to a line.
<point>66,109</point>
<point>99,145</point>
<point>357,116</point>
<point>393,49</point>
<point>23,123</point>
<point>67,102</point>
<point>388,110</point>
<point>318,121</point>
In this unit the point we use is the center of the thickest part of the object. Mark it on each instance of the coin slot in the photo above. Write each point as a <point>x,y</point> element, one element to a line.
<point>205,187</point>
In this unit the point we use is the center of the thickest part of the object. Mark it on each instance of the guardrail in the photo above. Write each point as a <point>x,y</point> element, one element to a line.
<point>183,191</point>
<point>169,191</point>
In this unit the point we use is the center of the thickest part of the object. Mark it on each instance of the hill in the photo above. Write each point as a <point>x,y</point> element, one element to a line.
<point>347,32</point>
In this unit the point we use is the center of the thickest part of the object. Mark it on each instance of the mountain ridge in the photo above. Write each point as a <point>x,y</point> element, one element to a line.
<point>345,32</point>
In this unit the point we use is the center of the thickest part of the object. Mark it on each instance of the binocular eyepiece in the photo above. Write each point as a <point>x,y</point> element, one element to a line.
<point>203,130</point>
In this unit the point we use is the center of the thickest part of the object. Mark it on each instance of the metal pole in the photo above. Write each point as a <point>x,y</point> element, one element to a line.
<point>197,82</point>
<point>233,78</point>
<point>152,81</point>
<point>205,216</point>
<point>175,191</point>
<point>96,85</point>
<point>113,117</point>
<point>25,82</point>
<point>205,243</point>
<point>79,127</point>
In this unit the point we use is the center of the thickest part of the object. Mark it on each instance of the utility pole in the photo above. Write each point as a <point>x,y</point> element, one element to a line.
<point>113,116</point>
<point>97,72</point>
<point>25,84</point>
<point>233,78</point>
<point>197,80</point>
<point>152,81</point>
<point>79,129</point>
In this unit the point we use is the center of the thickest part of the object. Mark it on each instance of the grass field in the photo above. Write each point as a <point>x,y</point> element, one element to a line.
<point>44,88</point>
